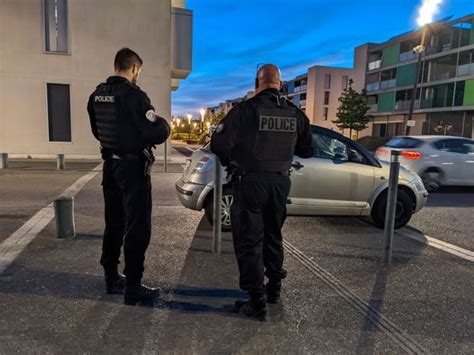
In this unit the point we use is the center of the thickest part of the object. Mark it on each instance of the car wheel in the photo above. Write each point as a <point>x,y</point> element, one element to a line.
<point>403,213</point>
<point>431,179</point>
<point>227,199</point>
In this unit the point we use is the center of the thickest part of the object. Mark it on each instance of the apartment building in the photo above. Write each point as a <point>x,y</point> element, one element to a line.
<point>317,92</point>
<point>444,99</point>
<point>53,53</point>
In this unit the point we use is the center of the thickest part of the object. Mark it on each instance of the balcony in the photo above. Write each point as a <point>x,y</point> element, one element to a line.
<point>387,84</point>
<point>181,43</point>
<point>301,88</point>
<point>404,57</point>
<point>373,107</point>
<point>375,64</point>
<point>405,105</point>
<point>373,86</point>
<point>466,69</point>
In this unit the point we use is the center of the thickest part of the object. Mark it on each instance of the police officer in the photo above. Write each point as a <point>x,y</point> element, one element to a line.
<point>257,141</point>
<point>124,121</point>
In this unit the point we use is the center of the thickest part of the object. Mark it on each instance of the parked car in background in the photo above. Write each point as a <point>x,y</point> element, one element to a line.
<point>342,179</point>
<point>439,160</point>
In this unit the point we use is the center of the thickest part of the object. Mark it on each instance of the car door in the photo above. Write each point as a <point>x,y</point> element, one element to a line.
<point>338,180</point>
<point>452,160</point>
<point>467,171</point>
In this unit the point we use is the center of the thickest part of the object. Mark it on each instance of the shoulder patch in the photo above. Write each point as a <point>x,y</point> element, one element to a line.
<point>220,128</point>
<point>150,115</point>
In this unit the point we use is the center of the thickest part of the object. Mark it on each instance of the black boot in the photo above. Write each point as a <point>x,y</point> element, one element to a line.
<point>140,294</point>
<point>253,308</point>
<point>114,282</point>
<point>273,290</point>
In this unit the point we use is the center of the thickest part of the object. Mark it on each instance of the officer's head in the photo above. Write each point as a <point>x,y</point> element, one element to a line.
<point>128,64</point>
<point>268,77</point>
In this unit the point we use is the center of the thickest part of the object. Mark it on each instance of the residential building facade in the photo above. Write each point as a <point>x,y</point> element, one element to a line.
<point>295,90</point>
<point>444,99</point>
<point>53,53</point>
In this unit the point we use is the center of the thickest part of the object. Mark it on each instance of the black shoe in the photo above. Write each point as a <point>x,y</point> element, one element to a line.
<point>273,291</point>
<point>114,284</point>
<point>252,308</point>
<point>141,294</point>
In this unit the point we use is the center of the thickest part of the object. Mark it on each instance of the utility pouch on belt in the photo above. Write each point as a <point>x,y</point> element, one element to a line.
<point>149,160</point>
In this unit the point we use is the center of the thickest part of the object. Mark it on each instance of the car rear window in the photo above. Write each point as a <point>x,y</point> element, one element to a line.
<point>403,142</point>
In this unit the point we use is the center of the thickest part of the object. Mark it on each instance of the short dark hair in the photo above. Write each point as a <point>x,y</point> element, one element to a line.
<point>126,59</point>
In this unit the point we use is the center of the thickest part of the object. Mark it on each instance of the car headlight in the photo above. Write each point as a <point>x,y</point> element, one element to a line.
<point>420,187</point>
<point>203,165</point>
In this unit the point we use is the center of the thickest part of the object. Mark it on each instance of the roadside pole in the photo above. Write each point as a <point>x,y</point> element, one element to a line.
<point>217,220</point>
<point>391,205</point>
<point>166,155</point>
<point>60,162</point>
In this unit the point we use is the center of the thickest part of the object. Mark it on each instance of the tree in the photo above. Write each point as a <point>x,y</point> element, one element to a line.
<point>352,111</point>
<point>216,118</point>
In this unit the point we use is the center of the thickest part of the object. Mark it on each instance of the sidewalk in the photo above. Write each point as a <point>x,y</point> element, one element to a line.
<point>52,297</point>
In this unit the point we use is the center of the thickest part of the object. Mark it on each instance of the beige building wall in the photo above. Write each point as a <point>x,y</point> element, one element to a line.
<point>315,107</point>
<point>97,29</point>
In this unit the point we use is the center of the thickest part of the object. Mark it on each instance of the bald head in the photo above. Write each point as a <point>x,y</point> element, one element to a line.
<point>268,77</point>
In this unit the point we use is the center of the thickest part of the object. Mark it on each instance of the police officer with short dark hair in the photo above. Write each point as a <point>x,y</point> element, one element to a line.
<point>124,121</point>
<point>257,141</point>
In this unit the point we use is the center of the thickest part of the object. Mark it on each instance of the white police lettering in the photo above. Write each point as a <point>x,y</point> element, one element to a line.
<point>150,115</point>
<point>100,98</point>
<point>277,124</point>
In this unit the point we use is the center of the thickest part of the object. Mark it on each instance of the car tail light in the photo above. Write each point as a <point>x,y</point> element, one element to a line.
<point>411,155</point>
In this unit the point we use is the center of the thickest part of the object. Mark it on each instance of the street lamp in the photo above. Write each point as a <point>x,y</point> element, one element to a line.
<point>425,18</point>
<point>190,117</point>
<point>203,113</point>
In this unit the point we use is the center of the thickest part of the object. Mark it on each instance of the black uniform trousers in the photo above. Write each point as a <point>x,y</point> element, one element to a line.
<point>127,196</point>
<point>258,213</point>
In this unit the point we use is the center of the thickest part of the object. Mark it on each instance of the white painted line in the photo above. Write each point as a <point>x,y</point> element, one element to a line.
<point>11,247</point>
<point>436,243</point>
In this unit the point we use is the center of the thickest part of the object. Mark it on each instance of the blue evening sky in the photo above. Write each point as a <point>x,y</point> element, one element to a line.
<point>232,36</point>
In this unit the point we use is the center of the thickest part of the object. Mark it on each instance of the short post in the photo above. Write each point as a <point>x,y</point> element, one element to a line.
<point>166,156</point>
<point>217,220</point>
<point>64,213</point>
<point>61,164</point>
<point>391,205</point>
<point>3,160</point>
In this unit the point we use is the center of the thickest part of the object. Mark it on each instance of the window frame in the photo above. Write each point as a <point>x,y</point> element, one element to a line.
<point>43,30</point>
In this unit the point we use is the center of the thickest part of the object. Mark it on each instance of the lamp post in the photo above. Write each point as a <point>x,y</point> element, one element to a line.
<point>189,116</point>
<point>203,113</point>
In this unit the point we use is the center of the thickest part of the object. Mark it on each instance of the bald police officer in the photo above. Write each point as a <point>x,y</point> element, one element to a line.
<point>126,125</point>
<point>257,141</point>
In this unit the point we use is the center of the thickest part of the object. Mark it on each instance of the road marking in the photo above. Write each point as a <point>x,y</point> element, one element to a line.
<point>405,341</point>
<point>436,243</point>
<point>11,247</point>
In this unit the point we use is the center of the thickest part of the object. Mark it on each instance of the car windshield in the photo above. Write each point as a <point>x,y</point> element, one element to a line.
<point>403,142</point>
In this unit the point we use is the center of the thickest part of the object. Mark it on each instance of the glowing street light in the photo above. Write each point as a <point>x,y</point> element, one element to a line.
<point>202,112</point>
<point>427,11</point>
<point>190,117</point>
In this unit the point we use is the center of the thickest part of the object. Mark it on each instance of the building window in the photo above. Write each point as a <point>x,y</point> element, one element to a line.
<point>56,32</point>
<point>326,112</point>
<point>326,97</point>
<point>59,113</point>
<point>327,81</point>
<point>345,81</point>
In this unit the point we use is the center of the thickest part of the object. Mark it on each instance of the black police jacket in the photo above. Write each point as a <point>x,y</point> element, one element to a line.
<point>121,118</point>
<point>262,134</point>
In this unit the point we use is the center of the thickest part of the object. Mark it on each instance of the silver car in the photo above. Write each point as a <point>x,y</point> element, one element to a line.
<point>342,179</point>
<point>439,160</point>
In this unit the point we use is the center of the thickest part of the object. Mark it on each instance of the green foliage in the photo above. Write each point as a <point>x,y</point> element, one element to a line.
<point>372,143</point>
<point>352,111</point>
<point>215,119</point>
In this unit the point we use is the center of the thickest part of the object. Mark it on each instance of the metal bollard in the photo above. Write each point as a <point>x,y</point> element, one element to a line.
<point>391,205</point>
<point>217,220</point>
<point>3,160</point>
<point>61,164</point>
<point>64,213</point>
<point>166,156</point>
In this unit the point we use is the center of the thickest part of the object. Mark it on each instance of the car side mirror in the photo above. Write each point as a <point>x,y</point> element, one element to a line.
<point>340,157</point>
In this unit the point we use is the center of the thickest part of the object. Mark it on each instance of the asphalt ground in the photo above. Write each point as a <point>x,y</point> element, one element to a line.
<point>52,300</point>
<point>448,216</point>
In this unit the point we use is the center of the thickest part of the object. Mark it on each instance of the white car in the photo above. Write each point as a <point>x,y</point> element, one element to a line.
<point>342,179</point>
<point>439,160</point>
